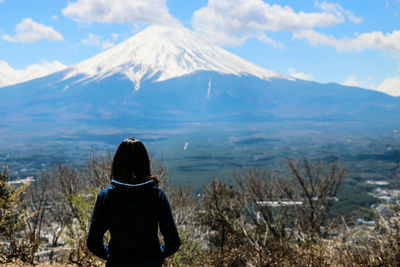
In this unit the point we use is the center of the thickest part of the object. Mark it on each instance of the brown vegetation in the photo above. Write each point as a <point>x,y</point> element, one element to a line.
<point>259,218</point>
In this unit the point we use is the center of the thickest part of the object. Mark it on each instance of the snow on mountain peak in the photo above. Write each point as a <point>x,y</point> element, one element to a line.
<point>164,52</point>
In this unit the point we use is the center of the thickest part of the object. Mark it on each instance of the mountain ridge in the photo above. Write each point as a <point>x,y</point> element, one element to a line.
<point>164,52</point>
<point>103,91</point>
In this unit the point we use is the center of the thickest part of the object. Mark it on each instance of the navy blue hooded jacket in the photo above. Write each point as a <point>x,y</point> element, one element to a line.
<point>132,213</point>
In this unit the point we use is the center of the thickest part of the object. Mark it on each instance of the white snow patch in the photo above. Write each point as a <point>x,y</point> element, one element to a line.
<point>165,52</point>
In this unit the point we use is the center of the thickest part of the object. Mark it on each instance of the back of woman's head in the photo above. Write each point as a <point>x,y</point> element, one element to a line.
<point>131,162</point>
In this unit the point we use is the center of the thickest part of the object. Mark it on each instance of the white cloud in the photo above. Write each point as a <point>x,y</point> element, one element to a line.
<point>9,75</point>
<point>339,11</point>
<point>371,40</point>
<point>29,31</point>
<point>107,44</point>
<point>119,11</point>
<point>95,40</point>
<point>351,81</point>
<point>390,86</point>
<point>92,40</point>
<point>264,38</point>
<point>115,36</point>
<point>232,22</point>
<point>54,17</point>
<point>300,75</point>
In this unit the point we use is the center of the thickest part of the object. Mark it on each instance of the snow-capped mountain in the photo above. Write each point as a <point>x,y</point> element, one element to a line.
<point>165,77</point>
<point>164,52</point>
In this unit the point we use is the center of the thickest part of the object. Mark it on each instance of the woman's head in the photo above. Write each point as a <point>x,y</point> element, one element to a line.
<point>131,162</point>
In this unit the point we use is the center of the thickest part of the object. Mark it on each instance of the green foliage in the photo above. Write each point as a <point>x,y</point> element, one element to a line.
<point>352,208</point>
<point>81,204</point>
<point>189,252</point>
<point>11,217</point>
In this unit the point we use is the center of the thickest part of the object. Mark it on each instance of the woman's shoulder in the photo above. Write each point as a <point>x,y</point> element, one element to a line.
<point>104,192</point>
<point>159,191</point>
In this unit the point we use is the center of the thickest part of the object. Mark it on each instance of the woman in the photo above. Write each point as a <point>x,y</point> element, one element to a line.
<point>132,208</point>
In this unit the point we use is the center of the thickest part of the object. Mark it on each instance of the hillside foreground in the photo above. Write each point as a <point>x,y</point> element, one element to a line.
<point>258,218</point>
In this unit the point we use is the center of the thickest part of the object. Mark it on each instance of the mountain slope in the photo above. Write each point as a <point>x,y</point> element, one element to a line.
<point>163,52</point>
<point>165,77</point>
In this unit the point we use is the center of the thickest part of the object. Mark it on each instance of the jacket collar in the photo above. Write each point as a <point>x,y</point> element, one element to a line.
<point>120,184</point>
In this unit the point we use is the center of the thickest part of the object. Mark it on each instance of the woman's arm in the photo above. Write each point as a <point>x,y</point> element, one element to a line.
<point>97,229</point>
<point>168,228</point>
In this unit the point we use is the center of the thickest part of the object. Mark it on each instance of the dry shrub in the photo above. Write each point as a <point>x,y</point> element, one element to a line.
<point>227,225</point>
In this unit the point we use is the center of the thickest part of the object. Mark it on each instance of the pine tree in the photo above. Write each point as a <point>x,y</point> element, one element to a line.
<point>12,213</point>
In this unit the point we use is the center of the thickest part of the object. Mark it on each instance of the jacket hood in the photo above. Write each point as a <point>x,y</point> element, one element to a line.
<point>128,196</point>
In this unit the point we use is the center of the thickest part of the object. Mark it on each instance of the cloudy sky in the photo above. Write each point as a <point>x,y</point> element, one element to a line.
<point>354,42</point>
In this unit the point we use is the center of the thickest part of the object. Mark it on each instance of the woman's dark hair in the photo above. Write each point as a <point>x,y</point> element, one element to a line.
<point>131,163</point>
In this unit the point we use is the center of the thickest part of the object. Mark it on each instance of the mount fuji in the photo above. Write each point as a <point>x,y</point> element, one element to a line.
<point>166,77</point>
<point>163,53</point>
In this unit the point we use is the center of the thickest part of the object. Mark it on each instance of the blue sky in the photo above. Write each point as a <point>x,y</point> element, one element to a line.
<point>353,42</point>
